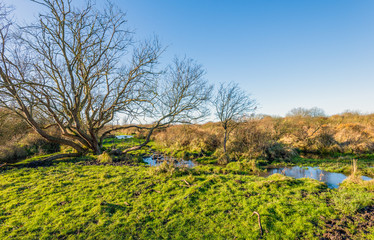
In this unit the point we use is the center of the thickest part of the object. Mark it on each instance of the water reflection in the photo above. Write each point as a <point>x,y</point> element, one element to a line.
<point>155,161</point>
<point>124,136</point>
<point>331,179</point>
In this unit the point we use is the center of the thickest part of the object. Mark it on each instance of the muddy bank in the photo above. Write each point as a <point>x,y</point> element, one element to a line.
<point>341,228</point>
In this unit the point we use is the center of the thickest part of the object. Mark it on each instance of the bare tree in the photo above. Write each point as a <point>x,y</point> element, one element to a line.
<point>305,112</point>
<point>181,97</point>
<point>66,70</point>
<point>232,104</point>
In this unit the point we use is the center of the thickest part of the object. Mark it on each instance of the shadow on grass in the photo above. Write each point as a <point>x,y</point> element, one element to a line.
<point>46,163</point>
<point>112,208</point>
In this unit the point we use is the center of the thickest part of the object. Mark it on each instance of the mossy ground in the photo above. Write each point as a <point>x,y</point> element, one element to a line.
<point>68,199</point>
<point>74,201</point>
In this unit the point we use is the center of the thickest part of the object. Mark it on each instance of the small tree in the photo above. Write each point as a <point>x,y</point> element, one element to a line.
<point>305,112</point>
<point>232,104</point>
<point>76,69</point>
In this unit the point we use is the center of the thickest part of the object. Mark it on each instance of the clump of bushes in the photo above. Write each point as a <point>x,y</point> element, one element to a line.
<point>243,166</point>
<point>303,131</point>
<point>192,138</point>
<point>105,157</point>
<point>17,141</point>
<point>21,147</point>
<point>279,151</point>
<point>36,145</point>
<point>12,153</point>
<point>255,139</point>
<point>169,168</point>
<point>223,158</point>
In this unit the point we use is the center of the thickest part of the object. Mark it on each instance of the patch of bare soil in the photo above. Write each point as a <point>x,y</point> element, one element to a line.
<point>114,163</point>
<point>339,229</point>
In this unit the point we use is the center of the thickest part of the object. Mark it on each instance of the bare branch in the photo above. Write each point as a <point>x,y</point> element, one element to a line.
<point>232,104</point>
<point>66,70</point>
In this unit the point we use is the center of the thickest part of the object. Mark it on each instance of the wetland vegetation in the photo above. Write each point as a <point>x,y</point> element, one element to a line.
<point>120,197</point>
<point>69,170</point>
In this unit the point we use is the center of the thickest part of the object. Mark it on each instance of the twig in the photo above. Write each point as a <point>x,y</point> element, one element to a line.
<point>152,184</point>
<point>152,190</point>
<point>186,182</point>
<point>259,221</point>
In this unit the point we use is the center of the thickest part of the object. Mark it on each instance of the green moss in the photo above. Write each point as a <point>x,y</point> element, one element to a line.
<point>73,201</point>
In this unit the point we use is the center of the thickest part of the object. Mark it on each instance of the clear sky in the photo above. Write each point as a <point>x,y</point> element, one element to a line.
<point>285,53</point>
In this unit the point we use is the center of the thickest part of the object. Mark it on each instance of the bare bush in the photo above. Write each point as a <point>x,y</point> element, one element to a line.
<point>188,138</point>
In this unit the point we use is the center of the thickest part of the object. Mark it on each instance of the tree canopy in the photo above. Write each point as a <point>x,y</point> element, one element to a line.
<point>76,68</point>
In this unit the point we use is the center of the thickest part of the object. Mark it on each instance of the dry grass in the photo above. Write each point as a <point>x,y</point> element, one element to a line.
<point>105,158</point>
<point>277,138</point>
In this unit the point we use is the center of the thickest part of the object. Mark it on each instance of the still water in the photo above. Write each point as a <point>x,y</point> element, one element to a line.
<point>154,161</point>
<point>331,179</point>
<point>124,136</point>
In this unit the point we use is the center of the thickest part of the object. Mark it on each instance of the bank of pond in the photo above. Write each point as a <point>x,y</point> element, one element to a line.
<point>81,199</point>
<point>331,179</point>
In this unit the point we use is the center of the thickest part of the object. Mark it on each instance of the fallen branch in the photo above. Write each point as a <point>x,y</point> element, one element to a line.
<point>186,182</point>
<point>2,165</point>
<point>259,221</point>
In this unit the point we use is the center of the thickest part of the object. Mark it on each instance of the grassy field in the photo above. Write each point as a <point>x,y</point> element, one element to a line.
<point>81,198</point>
<point>73,200</point>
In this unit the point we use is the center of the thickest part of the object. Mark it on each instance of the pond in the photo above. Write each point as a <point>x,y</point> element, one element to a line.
<point>124,136</point>
<point>157,160</point>
<point>331,179</point>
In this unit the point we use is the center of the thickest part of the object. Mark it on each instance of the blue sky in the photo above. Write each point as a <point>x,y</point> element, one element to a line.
<point>285,53</point>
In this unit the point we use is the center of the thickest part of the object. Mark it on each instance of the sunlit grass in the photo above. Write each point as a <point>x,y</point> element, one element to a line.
<point>109,202</point>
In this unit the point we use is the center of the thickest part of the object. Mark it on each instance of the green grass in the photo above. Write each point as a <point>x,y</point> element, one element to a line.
<point>72,201</point>
<point>127,143</point>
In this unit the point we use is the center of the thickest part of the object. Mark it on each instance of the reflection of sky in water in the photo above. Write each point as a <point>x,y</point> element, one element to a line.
<point>153,162</point>
<point>123,136</point>
<point>331,179</point>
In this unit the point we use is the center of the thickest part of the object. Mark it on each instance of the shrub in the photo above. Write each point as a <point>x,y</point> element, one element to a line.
<point>170,169</point>
<point>12,153</point>
<point>243,166</point>
<point>36,145</point>
<point>223,159</point>
<point>254,139</point>
<point>278,151</point>
<point>20,147</point>
<point>188,138</point>
<point>105,157</point>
